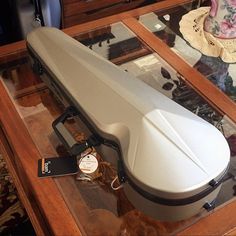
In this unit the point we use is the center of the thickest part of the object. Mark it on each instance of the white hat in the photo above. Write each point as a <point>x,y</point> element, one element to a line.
<point>192,29</point>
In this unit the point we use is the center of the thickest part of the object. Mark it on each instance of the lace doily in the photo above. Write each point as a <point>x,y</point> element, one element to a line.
<point>191,27</point>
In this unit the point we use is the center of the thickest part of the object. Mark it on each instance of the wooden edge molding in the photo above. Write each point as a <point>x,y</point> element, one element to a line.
<point>159,6</point>
<point>231,232</point>
<point>204,87</point>
<point>43,191</point>
<point>11,51</point>
<point>222,221</point>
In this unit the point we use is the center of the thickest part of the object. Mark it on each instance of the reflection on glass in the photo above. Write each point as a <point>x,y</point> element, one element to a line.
<point>115,43</point>
<point>217,71</point>
<point>166,27</point>
<point>94,205</point>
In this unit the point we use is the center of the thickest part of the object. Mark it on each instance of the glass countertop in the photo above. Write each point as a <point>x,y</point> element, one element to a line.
<point>167,28</point>
<point>96,207</point>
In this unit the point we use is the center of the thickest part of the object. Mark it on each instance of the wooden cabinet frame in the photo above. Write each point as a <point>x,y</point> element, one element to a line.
<point>48,212</point>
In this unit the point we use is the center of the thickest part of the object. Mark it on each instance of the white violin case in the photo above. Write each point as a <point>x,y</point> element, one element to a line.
<point>171,161</point>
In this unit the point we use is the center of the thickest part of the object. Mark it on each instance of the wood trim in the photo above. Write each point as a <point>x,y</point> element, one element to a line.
<point>232,232</point>
<point>203,86</point>
<point>131,56</point>
<point>68,1</point>
<point>84,6</point>
<point>108,11</point>
<point>30,90</point>
<point>43,191</point>
<point>10,51</point>
<point>159,6</point>
<point>219,222</point>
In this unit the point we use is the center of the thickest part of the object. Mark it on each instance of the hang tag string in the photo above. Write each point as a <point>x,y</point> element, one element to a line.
<point>112,184</point>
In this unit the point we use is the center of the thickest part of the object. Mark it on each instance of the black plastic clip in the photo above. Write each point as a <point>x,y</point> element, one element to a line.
<point>120,172</point>
<point>210,205</point>
<point>213,183</point>
<point>37,67</point>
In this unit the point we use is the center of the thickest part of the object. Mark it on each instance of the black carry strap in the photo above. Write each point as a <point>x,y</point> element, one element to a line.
<point>38,12</point>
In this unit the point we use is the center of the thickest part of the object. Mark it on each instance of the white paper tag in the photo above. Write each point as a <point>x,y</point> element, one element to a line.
<point>88,164</point>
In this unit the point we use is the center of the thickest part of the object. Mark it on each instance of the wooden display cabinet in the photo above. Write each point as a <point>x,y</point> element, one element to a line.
<point>65,206</point>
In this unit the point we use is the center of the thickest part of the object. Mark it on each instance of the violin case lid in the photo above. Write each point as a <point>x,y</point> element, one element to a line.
<point>165,149</point>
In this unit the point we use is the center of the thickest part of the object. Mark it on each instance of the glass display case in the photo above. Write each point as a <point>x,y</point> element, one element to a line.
<point>95,207</point>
